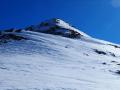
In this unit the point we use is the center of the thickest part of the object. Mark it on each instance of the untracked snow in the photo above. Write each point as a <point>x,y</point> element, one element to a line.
<point>42,61</point>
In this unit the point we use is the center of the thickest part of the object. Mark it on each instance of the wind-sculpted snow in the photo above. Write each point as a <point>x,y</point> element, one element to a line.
<point>48,62</point>
<point>51,62</point>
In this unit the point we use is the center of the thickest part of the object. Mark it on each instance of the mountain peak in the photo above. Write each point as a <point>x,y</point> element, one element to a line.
<point>53,26</point>
<point>30,60</point>
<point>55,20</point>
<point>58,27</point>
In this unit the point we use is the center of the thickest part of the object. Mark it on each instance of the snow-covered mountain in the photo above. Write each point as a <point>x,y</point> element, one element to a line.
<point>54,55</point>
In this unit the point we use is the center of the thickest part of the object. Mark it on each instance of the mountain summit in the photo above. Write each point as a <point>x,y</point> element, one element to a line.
<point>57,27</point>
<point>53,55</point>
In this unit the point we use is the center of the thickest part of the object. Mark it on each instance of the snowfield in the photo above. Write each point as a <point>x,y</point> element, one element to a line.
<point>52,62</point>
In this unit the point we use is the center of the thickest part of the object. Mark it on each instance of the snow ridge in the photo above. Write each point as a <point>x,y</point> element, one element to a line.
<point>58,27</point>
<point>30,59</point>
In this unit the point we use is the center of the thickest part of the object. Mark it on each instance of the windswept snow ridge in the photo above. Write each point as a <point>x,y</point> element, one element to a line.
<point>31,60</point>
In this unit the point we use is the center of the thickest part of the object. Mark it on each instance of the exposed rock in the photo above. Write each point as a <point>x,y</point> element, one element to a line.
<point>100,52</point>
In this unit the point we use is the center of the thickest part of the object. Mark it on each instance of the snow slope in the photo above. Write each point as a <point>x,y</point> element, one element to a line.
<point>39,61</point>
<point>57,27</point>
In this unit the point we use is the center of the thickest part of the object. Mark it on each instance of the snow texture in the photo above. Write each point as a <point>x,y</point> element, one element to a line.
<point>42,61</point>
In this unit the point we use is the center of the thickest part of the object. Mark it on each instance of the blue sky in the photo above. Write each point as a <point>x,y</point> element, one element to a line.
<point>98,18</point>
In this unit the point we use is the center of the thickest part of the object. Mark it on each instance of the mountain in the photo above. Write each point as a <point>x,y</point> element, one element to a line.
<point>54,55</point>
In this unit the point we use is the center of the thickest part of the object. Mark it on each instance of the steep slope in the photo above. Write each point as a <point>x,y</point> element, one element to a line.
<point>31,60</point>
<point>57,27</point>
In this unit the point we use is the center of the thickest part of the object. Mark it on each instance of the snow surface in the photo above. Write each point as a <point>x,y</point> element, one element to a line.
<point>52,62</point>
<point>64,27</point>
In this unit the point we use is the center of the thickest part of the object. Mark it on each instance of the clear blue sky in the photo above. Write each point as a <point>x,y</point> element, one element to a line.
<point>98,18</point>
